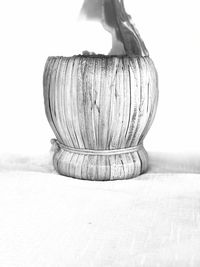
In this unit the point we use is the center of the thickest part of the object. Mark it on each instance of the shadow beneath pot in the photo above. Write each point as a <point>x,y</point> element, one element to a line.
<point>174,162</point>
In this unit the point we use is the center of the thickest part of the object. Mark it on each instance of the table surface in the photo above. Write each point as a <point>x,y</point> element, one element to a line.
<point>50,220</point>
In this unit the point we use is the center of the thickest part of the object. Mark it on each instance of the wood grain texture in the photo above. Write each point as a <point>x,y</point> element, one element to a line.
<point>98,102</point>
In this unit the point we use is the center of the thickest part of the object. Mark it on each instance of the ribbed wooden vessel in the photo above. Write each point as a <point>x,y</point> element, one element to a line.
<point>100,109</point>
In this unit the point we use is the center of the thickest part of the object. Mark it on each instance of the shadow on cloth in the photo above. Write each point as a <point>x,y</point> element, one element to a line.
<point>41,163</point>
<point>174,162</point>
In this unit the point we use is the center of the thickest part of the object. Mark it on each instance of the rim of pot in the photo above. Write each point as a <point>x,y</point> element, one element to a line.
<point>98,56</point>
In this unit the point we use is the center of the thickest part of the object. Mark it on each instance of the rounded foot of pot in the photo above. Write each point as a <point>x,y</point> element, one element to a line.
<point>101,167</point>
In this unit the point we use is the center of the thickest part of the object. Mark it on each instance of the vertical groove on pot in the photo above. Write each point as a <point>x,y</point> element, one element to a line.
<point>112,70</point>
<point>85,102</point>
<point>143,101</point>
<point>64,107</point>
<point>46,84</point>
<point>126,103</point>
<point>73,104</point>
<point>90,127</point>
<point>135,101</point>
<point>57,97</point>
<point>122,88</point>
<point>79,99</point>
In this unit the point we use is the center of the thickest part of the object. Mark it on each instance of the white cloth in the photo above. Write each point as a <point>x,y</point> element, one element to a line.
<point>48,220</point>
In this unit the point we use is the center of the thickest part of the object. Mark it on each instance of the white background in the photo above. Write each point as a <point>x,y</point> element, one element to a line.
<point>46,220</point>
<point>33,30</point>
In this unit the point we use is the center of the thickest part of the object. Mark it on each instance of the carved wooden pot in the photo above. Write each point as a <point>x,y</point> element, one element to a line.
<point>100,109</point>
